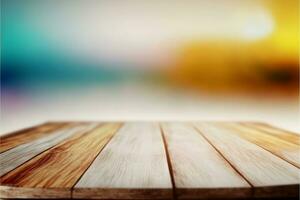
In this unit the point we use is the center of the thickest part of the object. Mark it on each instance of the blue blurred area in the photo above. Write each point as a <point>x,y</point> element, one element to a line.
<point>29,59</point>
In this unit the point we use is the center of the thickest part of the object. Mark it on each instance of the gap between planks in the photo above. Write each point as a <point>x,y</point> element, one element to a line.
<point>72,189</point>
<point>17,138</point>
<point>222,155</point>
<point>21,154</point>
<point>102,129</point>
<point>287,151</point>
<point>266,184</point>
<point>168,161</point>
<point>133,164</point>
<point>285,135</point>
<point>194,179</point>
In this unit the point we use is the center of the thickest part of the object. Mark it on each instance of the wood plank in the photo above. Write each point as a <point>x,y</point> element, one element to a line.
<point>277,132</point>
<point>286,150</point>
<point>14,139</point>
<point>13,158</point>
<point>199,170</point>
<point>206,162</point>
<point>9,192</point>
<point>132,166</point>
<point>61,166</point>
<point>260,167</point>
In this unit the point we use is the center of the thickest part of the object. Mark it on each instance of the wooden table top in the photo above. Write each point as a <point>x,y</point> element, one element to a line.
<point>150,160</point>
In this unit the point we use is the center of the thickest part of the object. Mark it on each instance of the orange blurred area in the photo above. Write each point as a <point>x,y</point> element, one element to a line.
<point>265,59</point>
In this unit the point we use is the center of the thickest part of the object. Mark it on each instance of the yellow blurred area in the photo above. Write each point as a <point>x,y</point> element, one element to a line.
<point>285,38</point>
<point>264,60</point>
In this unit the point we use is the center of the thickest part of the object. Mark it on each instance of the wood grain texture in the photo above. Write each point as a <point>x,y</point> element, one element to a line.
<point>133,165</point>
<point>286,150</point>
<point>10,192</point>
<point>13,158</point>
<point>142,160</point>
<point>61,166</point>
<point>199,170</point>
<point>12,140</point>
<point>276,132</point>
<point>260,167</point>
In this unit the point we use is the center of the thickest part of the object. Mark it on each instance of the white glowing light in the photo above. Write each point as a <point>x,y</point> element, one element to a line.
<point>257,26</point>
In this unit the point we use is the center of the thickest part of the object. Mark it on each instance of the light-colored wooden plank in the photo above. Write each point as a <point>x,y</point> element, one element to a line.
<point>286,150</point>
<point>132,166</point>
<point>59,167</point>
<point>277,132</point>
<point>13,158</point>
<point>261,168</point>
<point>199,170</point>
<point>12,140</point>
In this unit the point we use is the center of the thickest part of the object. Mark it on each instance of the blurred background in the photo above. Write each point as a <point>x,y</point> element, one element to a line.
<point>149,60</point>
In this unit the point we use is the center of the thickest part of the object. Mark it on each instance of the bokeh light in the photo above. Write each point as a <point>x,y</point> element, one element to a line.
<point>149,60</point>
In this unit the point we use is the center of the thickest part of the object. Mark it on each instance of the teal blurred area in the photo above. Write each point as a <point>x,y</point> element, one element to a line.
<point>30,60</point>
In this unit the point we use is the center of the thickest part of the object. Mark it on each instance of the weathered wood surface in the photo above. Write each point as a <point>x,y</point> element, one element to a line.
<point>262,169</point>
<point>198,168</point>
<point>282,134</point>
<point>149,160</point>
<point>13,158</point>
<point>133,163</point>
<point>12,140</point>
<point>62,166</point>
<point>284,149</point>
